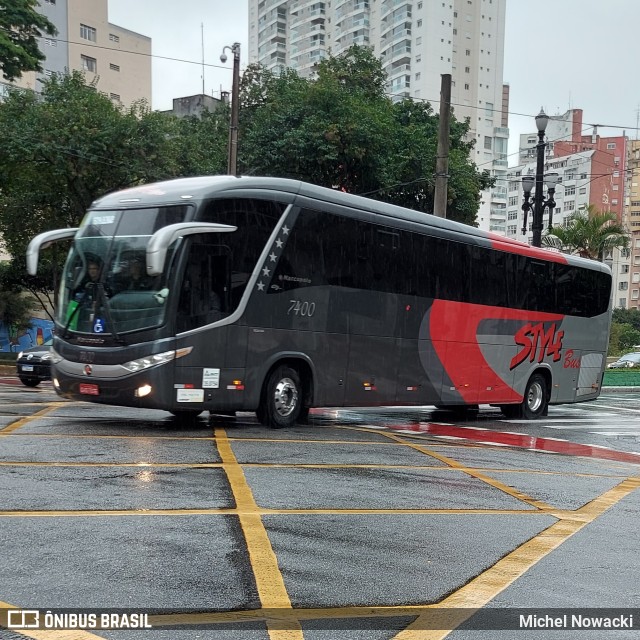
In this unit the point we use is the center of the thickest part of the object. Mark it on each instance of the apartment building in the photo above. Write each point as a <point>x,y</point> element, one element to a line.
<point>632,211</point>
<point>119,59</point>
<point>417,41</point>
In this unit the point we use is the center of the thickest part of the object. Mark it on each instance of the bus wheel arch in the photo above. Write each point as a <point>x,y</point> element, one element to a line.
<point>286,394</point>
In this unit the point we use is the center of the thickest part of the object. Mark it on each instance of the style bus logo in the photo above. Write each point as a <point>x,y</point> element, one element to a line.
<point>537,343</point>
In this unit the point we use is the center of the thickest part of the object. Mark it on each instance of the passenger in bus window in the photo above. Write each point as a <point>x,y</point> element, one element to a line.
<point>89,282</point>
<point>137,278</point>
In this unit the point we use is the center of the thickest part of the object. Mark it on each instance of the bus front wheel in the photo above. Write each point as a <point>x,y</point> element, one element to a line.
<point>281,403</point>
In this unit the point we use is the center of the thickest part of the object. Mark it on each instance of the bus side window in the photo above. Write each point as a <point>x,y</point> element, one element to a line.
<point>204,287</point>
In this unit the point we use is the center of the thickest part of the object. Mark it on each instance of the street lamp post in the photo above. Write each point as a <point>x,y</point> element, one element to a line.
<point>528,181</point>
<point>542,119</point>
<point>232,165</point>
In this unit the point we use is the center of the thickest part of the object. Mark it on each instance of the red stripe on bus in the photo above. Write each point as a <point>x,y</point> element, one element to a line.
<point>502,243</point>
<point>453,329</point>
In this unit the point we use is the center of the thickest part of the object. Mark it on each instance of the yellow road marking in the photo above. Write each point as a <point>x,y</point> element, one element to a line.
<point>485,587</point>
<point>20,423</point>
<point>269,581</point>
<point>479,475</point>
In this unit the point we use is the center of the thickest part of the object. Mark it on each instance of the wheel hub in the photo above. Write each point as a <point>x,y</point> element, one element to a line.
<point>286,397</point>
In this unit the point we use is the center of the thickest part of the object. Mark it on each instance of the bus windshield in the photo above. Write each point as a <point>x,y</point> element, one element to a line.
<point>106,288</point>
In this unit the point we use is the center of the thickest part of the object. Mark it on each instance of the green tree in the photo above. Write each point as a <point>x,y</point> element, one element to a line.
<point>15,307</point>
<point>590,234</point>
<point>341,130</point>
<point>20,26</point>
<point>627,316</point>
<point>64,149</point>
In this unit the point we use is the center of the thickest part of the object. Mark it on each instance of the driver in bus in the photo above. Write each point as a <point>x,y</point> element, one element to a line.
<point>137,279</point>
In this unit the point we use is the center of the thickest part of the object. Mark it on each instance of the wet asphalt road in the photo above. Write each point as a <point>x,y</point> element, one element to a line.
<point>350,527</point>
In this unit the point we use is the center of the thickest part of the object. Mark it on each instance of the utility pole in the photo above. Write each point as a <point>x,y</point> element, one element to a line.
<point>442,160</point>
<point>235,105</point>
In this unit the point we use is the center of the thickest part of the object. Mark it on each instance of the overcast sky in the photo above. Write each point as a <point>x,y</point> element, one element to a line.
<point>559,54</point>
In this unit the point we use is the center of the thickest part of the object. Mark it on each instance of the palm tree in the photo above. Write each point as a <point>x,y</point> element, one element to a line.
<point>589,233</point>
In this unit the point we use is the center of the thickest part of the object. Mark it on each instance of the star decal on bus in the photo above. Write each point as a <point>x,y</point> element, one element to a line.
<point>279,244</point>
<point>285,230</point>
<point>260,286</point>
<point>272,257</point>
<point>266,271</point>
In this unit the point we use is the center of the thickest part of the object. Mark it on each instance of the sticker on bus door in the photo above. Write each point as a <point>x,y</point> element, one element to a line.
<point>211,378</point>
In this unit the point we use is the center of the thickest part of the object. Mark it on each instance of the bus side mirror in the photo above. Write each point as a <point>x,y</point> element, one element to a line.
<point>161,240</point>
<point>42,241</point>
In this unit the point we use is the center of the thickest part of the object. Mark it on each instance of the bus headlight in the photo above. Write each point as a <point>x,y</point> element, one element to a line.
<point>156,359</point>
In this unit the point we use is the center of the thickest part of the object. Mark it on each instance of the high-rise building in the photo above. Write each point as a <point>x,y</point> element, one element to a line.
<point>632,209</point>
<point>119,59</point>
<point>417,41</point>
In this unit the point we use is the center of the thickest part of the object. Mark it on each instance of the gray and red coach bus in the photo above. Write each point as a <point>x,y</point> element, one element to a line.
<point>275,296</point>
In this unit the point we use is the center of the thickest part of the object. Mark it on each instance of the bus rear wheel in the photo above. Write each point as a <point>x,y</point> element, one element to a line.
<point>535,402</point>
<point>281,403</point>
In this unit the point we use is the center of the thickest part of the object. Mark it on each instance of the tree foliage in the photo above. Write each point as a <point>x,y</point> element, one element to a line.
<point>20,27</point>
<point>15,308</point>
<point>589,233</point>
<point>341,130</point>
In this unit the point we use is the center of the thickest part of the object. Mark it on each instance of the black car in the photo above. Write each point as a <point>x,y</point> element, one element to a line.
<point>34,364</point>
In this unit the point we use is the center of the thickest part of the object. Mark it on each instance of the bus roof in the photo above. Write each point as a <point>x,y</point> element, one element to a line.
<point>196,189</point>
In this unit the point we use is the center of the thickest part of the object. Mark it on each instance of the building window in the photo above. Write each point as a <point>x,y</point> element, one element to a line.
<point>569,205</point>
<point>624,268</point>
<point>114,38</point>
<point>49,1</point>
<point>466,86</point>
<point>87,32</point>
<point>114,67</point>
<point>419,23</point>
<point>89,64</point>
<point>50,42</point>
<point>611,145</point>
<point>569,191</point>
<point>115,96</point>
<point>623,286</point>
<point>488,142</point>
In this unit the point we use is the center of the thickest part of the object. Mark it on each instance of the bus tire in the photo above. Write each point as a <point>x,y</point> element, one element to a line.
<point>282,400</point>
<point>534,403</point>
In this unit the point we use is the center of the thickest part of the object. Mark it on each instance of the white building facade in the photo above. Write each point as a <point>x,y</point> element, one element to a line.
<point>417,41</point>
<point>117,59</point>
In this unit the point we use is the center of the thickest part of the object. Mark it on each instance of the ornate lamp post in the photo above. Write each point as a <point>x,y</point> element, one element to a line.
<point>528,181</point>
<point>542,119</point>
<point>232,167</point>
